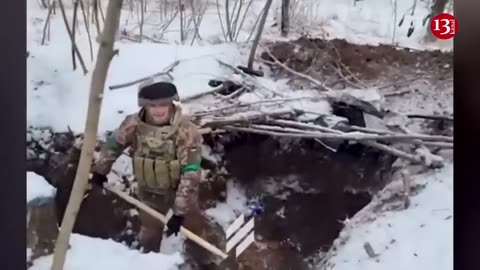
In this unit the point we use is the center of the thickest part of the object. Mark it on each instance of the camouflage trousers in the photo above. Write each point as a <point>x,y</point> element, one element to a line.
<point>151,232</point>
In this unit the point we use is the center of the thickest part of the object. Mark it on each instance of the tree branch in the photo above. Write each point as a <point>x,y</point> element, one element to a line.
<point>166,71</point>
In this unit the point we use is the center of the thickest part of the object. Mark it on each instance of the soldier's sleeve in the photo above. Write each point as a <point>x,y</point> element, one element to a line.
<point>189,142</point>
<point>115,143</point>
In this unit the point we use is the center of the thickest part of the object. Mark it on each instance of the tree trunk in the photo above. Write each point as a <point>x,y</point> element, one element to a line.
<point>142,14</point>
<point>259,34</point>
<point>285,24</point>
<point>87,28</point>
<point>180,9</point>
<point>47,23</point>
<point>72,38</point>
<point>105,54</point>
<point>437,8</point>
<point>74,28</point>
<point>227,20</point>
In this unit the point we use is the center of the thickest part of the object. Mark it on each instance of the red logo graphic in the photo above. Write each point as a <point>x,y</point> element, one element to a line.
<point>444,26</point>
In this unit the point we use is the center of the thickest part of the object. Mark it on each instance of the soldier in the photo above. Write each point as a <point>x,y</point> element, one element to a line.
<point>166,151</point>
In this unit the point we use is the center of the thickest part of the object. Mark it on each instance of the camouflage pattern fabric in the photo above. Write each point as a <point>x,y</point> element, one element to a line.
<point>187,142</point>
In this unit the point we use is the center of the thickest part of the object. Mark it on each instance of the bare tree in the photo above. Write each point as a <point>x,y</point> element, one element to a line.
<point>437,8</point>
<point>74,27</point>
<point>198,12</point>
<point>99,3</point>
<point>87,28</point>
<point>182,22</point>
<point>46,27</point>
<point>234,18</point>
<point>72,38</point>
<point>104,57</point>
<point>227,19</point>
<point>259,34</point>
<point>142,18</point>
<point>95,15</point>
<point>285,23</point>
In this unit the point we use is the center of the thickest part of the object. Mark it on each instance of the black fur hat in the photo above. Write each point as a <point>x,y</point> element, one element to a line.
<point>152,92</point>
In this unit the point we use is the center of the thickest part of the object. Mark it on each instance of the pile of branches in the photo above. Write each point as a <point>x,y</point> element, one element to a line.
<point>274,114</point>
<point>286,123</point>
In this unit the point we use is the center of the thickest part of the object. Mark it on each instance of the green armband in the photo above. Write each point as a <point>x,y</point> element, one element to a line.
<point>190,168</point>
<point>112,143</point>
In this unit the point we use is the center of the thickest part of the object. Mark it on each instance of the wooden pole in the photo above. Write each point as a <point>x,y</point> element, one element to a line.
<point>105,54</point>
<point>190,235</point>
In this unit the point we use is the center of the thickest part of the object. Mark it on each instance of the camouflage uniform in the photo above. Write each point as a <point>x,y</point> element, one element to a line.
<point>166,163</point>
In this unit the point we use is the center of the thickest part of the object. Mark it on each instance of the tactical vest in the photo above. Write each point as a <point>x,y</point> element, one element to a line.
<point>155,163</point>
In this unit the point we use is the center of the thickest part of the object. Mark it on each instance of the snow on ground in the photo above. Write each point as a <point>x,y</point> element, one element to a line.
<point>53,87</point>
<point>97,254</point>
<point>420,237</point>
<point>365,22</point>
<point>38,188</point>
<point>57,96</point>
<point>225,213</point>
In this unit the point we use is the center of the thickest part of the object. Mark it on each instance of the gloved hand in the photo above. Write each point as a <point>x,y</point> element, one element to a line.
<point>174,224</point>
<point>98,179</point>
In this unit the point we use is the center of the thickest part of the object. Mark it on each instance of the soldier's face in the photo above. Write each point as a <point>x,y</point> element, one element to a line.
<point>159,113</point>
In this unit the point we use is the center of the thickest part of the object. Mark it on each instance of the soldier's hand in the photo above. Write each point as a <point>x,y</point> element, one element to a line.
<point>98,179</point>
<point>174,224</point>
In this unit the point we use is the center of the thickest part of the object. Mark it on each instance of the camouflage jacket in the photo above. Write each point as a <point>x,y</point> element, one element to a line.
<point>187,139</point>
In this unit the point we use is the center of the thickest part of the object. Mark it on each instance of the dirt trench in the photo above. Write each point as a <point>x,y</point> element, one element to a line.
<point>306,189</point>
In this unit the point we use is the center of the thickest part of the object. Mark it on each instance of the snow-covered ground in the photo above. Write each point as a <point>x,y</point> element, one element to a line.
<point>38,187</point>
<point>108,254</point>
<point>366,21</point>
<point>417,238</point>
<point>420,237</point>
<point>88,253</point>
<point>53,87</point>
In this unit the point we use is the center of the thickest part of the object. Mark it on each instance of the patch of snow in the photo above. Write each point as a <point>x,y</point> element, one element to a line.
<point>108,254</point>
<point>364,22</point>
<point>236,203</point>
<point>420,237</point>
<point>38,187</point>
<point>123,167</point>
<point>173,244</point>
<point>29,254</point>
<point>40,135</point>
<point>222,213</point>
<point>208,155</point>
<point>132,63</point>
<point>133,212</point>
<point>310,103</point>
<point>281,212</point>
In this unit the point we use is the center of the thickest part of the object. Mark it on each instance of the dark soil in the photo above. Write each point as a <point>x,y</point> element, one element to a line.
<point>323,60</point>
<point>311,221</point>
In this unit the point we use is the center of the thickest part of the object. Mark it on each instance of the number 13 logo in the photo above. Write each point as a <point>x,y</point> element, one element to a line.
<point>444,26</point>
